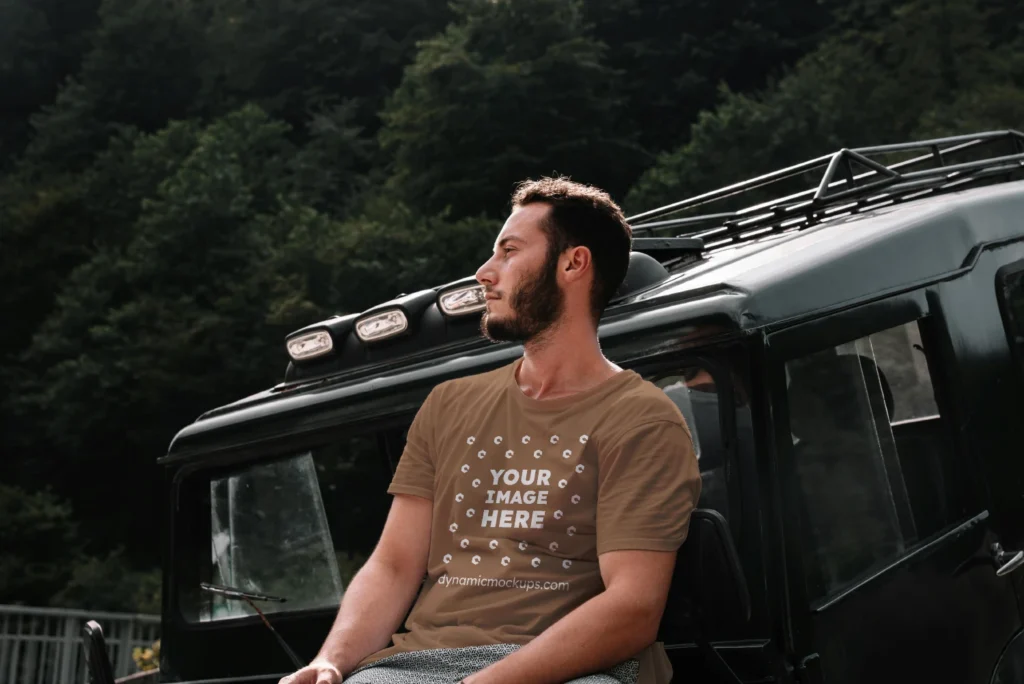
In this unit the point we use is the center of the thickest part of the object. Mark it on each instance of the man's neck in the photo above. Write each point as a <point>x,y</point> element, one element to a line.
<point>565,361</point>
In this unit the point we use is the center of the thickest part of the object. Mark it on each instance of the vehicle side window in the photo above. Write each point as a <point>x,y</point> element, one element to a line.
<point>872,457</point>
<point>694,391</point>
<point>899,354</point>
<point>1010,291</point>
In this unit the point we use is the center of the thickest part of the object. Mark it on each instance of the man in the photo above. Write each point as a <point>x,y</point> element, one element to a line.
<point>544,501</point>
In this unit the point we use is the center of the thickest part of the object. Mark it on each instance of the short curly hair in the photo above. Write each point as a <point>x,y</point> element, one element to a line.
<point>583,216</point>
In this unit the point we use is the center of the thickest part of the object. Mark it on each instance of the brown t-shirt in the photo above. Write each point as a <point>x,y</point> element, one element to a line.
<point>528,493</point>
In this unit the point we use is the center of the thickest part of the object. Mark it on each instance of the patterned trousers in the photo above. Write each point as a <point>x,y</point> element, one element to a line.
<point>450,665</point>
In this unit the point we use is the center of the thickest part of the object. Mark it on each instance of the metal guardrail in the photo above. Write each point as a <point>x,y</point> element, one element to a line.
<point>44,645</point>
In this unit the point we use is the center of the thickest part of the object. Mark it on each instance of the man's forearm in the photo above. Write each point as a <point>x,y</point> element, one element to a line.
<point>603,632</point>
<point>370,613</point>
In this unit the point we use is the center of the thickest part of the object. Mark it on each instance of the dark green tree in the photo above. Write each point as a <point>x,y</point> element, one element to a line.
<point>110,583</point>
<point>41,44</point>
<point>673,55</point>
<point>27,70</point>
<point>142,70</point>
<point>36,529</point>
<point>511,89</point>
<point>56,223</point>
<point>46,560</point>
<point>160,314</point>
<point>913,78</point>
<point>296,58</point>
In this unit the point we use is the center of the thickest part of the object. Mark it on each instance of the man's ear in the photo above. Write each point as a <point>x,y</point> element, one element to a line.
<point>578,262</point>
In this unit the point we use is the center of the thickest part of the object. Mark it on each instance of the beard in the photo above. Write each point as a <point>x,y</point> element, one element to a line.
<point>536,304</point>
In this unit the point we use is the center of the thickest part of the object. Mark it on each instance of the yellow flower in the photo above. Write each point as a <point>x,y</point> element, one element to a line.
<point>147,658</point>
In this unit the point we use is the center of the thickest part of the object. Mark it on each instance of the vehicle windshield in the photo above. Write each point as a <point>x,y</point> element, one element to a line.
<point>269,535</point>
<point>297,527</point>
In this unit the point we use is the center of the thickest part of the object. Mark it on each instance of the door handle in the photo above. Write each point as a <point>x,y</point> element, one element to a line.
<point>1006,561</point>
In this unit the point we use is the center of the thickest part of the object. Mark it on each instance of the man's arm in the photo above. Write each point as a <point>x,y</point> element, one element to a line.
<point>608,629</point>
<point>380,594</point>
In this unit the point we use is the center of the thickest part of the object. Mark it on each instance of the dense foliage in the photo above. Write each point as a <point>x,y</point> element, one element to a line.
<point>182,183</point>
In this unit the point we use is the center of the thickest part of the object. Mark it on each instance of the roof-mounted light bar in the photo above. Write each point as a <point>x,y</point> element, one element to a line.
<point>310,345</point>
<point>460,298</point>
<point>394,318</point>
<point>461,301</point>
<point>320,339</point>
<point>382,325</point>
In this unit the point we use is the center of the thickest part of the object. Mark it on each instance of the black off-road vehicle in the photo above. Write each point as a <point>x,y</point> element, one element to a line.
<point>850,358</point>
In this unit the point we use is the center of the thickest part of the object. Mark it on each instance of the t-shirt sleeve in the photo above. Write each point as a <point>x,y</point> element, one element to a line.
<point>415,471</point>
<point>648,484</point>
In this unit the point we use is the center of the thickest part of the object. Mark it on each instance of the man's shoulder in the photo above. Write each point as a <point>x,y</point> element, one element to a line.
<point>649,401</point>
<point>641,403</point>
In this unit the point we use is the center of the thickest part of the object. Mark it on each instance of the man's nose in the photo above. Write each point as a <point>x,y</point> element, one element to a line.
<point>485,274</point>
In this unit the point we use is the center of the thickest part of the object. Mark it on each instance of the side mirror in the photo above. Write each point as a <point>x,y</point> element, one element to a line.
<point>96,659</point>
<point>709,590</point>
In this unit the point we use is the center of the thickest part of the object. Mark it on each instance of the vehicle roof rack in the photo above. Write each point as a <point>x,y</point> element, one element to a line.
<point>670,249</point>
<point>841,191</point>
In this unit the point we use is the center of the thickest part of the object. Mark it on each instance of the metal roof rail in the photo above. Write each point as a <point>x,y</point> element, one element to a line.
<point>840,190</point>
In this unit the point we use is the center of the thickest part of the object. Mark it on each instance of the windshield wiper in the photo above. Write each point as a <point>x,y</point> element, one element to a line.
<point>240,595</point>
<point>232,593</point>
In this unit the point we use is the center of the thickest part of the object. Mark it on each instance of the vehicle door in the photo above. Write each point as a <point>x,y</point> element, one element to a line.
<point>986,308</point>
<point>887,524</point>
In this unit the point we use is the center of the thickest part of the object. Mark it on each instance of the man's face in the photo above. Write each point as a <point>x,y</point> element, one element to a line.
<point>523,295</point>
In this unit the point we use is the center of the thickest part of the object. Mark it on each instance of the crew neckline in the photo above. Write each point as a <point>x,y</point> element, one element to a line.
<point>605,386</point>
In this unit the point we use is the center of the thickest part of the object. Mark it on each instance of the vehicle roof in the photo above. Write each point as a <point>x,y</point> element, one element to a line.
<point>834,264</point>
<point>780,278</point>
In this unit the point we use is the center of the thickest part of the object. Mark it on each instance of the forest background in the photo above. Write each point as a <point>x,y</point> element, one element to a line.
<point>183,182</point>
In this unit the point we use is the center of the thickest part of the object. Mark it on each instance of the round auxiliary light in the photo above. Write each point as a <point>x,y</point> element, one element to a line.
<point>310,345</point>
<point>462,300</point>
<point>381,326</point>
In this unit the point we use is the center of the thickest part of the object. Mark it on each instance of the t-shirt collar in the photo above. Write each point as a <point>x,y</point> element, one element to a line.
<point>597,391</point>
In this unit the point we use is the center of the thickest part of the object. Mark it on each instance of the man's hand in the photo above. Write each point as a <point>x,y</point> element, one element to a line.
<point>320,671</point>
